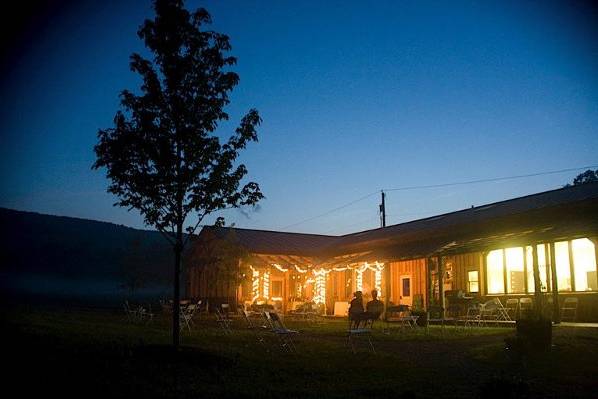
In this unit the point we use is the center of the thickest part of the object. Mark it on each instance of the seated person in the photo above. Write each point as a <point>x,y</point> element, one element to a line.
<point>375,307</point>
<point>356,308</point>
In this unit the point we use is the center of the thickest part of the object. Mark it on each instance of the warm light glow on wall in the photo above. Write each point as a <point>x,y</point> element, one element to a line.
<point>563,269</point>
<point>494,269</point>
<point>515,273</point>
<point>584,260</point>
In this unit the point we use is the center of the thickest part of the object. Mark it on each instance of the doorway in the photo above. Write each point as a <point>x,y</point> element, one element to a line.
<point>405,288</point>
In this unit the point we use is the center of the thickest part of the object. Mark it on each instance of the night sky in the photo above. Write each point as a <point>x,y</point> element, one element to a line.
<point>354,98</point>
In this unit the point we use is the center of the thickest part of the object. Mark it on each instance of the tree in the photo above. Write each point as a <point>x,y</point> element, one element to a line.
<point>589,176</point>
<point>162,156</point>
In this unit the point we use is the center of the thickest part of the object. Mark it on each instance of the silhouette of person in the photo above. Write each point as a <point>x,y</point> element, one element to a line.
<point>375,307</point>
<point>356,307</point>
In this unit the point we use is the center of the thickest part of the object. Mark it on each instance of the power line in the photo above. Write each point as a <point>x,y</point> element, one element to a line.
<point>406,188</point>
<point>494,179</point>
<point>330,211</point>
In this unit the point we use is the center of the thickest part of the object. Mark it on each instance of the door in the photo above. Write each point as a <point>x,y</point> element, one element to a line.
<point>405,287</point>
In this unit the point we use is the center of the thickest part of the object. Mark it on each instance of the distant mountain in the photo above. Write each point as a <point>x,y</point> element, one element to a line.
<point>57,248</point>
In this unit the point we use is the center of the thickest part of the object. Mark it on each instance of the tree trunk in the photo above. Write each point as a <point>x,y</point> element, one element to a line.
<point>176,306</point>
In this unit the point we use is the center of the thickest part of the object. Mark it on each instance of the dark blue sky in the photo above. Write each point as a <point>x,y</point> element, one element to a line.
<point>354,98</point>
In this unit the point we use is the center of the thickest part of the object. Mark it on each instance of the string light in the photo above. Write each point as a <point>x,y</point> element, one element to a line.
<point>266,285</point>
<point>299,269</point>
<point>255,283</point>
<point>359,280</point>
<point>377,269</point>
<point>320,296</point>
<point>280,268</point>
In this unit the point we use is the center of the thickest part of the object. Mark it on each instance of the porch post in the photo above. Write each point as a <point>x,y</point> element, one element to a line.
<point>387,287</point>
<point>441,283</point>
<point>536,269</point>
<point>556,314</point>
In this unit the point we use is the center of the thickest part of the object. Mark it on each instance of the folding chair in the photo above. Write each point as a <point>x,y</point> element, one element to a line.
<point>284,334</point>
<point>512,308</point>
<point>569,309</point>
<point>223,320</point>
<point>359,327</point>
<point>488,312</point>
<point>473,316</point>
<point>130,314</point>
<point>501,311</point>
<point>255,328</point>
<point>186,316</point>
<point>401,315</point>
<point>145,314</point>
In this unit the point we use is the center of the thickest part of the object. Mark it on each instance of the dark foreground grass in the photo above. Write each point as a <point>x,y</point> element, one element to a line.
<point>96,353</point>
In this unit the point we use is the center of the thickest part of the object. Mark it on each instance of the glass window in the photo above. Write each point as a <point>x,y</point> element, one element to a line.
<point>515,275</point>
<point>584,262</point>
<point>563,270</point>
<point>494,272</point>
<point>542,266</point>
<point>473,284</point>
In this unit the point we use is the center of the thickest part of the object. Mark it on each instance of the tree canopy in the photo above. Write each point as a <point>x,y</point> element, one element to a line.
<point>589,176</point>
<point>162,156</point>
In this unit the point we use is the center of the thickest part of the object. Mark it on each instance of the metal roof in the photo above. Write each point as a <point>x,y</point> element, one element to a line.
<point>547,210</point>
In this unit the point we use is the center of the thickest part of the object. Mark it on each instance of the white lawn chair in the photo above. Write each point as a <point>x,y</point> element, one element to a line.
<point>223,321</point>
<point>130,313</point>
<point>145,314</point>
<point>473,315</point>
<point>285,335</point>
<point>186,316</point>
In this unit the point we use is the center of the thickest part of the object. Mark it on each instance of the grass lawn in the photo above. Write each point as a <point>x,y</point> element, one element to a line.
<point>96,353</point>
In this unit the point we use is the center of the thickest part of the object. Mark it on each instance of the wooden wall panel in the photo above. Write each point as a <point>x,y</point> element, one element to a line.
<point>461,264</point>
<point>416,268</point>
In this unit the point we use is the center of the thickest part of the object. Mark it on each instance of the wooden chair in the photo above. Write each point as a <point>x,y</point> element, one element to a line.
<point>569,309</point>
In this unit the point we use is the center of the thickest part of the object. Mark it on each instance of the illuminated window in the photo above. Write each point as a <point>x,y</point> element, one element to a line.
<point>495,272</point>
<point>542,266</point>
<point>515,271</point>
<point>473,284</point>
<point>584,262</point>
<point>563,268</point>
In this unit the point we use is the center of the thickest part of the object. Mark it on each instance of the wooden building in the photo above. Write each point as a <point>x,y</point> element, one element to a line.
<point>485,252</point>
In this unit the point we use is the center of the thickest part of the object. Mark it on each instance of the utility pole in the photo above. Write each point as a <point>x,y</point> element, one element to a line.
<point>383,210</point>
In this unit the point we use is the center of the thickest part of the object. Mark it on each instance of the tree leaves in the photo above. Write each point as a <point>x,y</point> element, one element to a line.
<point>161,155</point>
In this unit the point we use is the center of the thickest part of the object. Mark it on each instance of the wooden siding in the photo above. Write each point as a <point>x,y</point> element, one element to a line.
<point>460,265</point>
<point>417,269</point>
